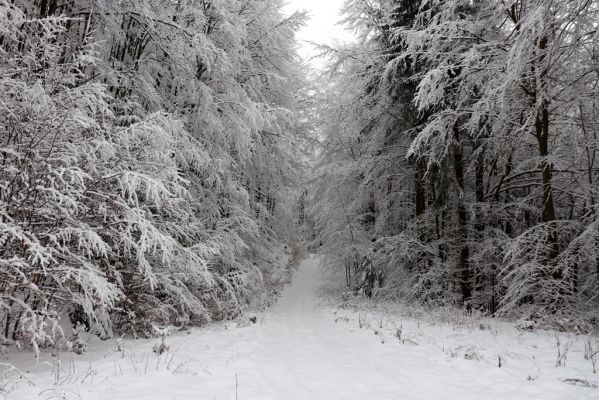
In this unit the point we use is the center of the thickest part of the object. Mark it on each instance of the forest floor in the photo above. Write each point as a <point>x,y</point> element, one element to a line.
<point>307,348</point>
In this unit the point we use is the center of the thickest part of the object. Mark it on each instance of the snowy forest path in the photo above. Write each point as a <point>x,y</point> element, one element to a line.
<point>302,353</point>
<point>294,351</point>
<point>302,349</point>
<point>297,351</point>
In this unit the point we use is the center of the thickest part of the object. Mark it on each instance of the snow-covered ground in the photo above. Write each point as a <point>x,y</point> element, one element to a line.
<point>304,349</point>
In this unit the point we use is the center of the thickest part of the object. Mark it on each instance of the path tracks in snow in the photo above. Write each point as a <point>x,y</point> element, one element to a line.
<point>297,350</point>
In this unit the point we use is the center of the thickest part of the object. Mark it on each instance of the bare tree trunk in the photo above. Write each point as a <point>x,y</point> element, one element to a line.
<point>419,188</point>
<point>463,266</point>
<point>591,154</point>
<point>542,135</point>
<point>480,278</point>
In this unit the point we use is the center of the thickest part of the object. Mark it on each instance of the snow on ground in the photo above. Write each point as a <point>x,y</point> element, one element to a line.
<point>304,349</point>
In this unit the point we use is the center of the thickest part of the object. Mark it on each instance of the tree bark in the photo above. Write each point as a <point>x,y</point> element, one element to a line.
<point>462,266</point>
<point>542,135</point>
<point>419,188</point>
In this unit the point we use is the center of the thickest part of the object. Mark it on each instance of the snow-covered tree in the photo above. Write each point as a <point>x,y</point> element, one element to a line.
<point>465,131</point>
<point>149,151</point>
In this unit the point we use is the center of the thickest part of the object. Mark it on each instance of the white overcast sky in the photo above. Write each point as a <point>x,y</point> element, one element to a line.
<point>322,26</point>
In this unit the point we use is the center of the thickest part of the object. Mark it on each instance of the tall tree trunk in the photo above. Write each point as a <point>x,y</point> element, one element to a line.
<point>591,154</point>
<point>419,188</point>
<point>462,266</point>
<point>542,135</point>
<point>480,277</point>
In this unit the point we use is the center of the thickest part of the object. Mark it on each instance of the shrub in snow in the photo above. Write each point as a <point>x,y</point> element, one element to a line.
<point>120,345</point>
<point>591,353</point>
<point>78,344</point>
<point>562,351</point>
<point>161,347</point>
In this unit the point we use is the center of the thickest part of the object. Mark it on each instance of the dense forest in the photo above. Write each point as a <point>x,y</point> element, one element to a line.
<point>459,161</point>
<point>161,161</point>
<point>150,154</point>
